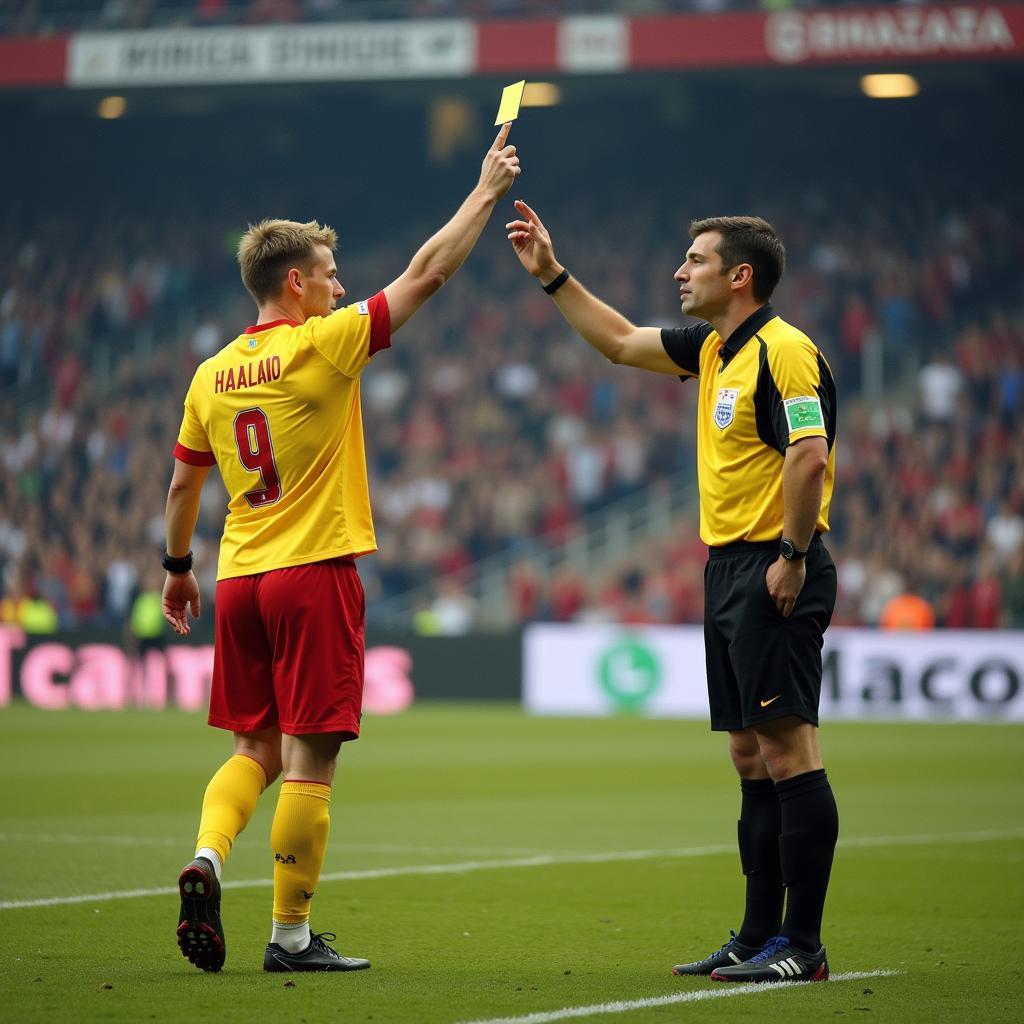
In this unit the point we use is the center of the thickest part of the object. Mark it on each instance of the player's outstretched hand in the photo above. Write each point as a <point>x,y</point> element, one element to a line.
<point>532,243</point>
<point>181,595</point>
<point>501,165</point>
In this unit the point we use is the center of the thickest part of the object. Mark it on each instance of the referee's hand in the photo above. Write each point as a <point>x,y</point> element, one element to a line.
<point>181,595</point>
<point>784,580</point>
<point>532,243</point>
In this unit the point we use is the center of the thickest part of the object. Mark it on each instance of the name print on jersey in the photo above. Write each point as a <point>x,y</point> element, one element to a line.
<point>248,375</point>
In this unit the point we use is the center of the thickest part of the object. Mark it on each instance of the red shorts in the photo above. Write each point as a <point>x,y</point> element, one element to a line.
<point>289,650</point>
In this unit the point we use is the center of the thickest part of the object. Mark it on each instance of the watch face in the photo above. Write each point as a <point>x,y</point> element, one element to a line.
<point>786,549</point>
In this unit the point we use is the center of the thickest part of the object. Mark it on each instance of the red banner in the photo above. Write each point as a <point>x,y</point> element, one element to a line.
<point>598,44</point>
<point>28,62</point>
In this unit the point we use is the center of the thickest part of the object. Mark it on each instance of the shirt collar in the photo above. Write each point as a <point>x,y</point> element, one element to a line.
<point>746,331</point>
<point>256,328</point>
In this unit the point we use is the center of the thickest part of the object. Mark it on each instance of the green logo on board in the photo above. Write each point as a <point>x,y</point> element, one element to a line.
<point>630,673</point>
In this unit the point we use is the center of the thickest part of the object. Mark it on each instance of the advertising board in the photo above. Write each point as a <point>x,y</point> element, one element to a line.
<point>943,675</point>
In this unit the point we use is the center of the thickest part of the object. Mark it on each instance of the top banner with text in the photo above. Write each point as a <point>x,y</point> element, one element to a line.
<point>523,48</point>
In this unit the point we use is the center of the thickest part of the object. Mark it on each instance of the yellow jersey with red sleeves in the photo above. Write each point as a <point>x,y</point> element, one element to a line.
<point>762,389</point>
<point>277,410</point>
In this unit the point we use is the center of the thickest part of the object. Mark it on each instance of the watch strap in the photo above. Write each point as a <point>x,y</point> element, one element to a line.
<point>790,551</point>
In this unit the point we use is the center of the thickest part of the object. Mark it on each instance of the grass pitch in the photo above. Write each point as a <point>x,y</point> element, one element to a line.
<point>495,866</point>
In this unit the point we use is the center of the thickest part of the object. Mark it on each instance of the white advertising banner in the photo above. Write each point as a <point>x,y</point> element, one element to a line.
<point>594,43</point>
<point>284,53</point>
<point>944,675</point>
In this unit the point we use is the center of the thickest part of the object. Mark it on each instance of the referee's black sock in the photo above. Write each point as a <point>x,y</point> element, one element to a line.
<point>758,828</point>
<point>810,827</point>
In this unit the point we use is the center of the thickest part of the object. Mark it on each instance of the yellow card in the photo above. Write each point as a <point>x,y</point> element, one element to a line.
<point>511,97</point>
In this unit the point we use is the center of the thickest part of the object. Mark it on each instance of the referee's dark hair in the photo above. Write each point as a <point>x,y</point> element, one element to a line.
<point>748,240</point>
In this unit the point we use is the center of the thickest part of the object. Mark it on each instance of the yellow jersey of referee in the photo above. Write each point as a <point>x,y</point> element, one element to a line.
<point>763,388</point>
<point>278,411</point>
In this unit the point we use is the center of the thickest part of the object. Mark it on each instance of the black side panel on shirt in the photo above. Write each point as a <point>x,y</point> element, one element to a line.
<point>826,390</point>
<point>683,345</point>
<point>769,414</point>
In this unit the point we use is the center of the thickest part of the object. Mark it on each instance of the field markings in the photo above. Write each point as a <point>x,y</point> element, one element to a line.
<point>511,863</point>
<point>66,839</point>
<point>700,996</point>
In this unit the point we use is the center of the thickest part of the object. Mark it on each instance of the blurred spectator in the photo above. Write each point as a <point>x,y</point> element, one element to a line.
<point>453,610</point>
<point>26,16</point>
<point>1005,531</point>
<point>941,383</point>
<point>908,612</point>
<point>146,622</point>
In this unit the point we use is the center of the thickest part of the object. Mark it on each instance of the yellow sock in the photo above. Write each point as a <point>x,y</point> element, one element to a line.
<point>229,802</point>
<point>298,838</point>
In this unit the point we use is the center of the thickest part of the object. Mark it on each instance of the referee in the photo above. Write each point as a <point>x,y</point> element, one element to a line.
<point>766,427</point>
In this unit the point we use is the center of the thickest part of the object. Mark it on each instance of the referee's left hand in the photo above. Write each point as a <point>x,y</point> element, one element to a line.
<point>784,580</point>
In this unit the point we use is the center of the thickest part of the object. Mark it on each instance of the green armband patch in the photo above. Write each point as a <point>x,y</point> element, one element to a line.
<point>803,412</point>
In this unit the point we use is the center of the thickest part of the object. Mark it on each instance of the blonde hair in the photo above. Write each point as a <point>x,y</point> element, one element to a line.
<point>269,249</point>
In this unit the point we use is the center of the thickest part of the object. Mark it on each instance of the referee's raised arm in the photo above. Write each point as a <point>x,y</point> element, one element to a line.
<point>601,326</point>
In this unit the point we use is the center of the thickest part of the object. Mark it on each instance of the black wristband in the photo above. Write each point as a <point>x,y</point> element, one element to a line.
<point>178,566</point>
<point>557,283</point>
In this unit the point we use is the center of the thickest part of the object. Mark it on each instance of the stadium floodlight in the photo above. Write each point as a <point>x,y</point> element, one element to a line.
<point>111,107</point>
<point>889,87</point>
<point>541,94</point>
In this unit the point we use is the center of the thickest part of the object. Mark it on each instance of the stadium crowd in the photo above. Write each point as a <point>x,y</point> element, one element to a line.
<point>24,17</point>
<point>490,426</point>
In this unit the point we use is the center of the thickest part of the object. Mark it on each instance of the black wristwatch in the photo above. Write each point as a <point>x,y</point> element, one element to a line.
<point>789,551</point>
<point>178,566</point>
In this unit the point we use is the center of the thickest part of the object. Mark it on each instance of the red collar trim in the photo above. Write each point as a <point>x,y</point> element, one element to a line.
<point>256,328</point>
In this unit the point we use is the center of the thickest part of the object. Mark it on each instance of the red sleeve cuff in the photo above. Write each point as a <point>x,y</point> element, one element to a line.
<point>192,457</point>
<point>380,323</point>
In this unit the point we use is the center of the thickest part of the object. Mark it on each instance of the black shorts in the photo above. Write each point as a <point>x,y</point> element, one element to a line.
<point>760,665</point>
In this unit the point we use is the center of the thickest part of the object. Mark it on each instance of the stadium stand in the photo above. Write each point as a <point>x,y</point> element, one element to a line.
<point>492,427</point>
<point>45,16</point>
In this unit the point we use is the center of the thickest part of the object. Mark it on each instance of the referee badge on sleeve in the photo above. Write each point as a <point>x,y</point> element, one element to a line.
<point>725,407</point>
<point>803,413</point>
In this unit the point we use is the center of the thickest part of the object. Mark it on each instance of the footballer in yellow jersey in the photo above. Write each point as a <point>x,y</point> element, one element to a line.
<point>766,459</point>
<point>277,411</point>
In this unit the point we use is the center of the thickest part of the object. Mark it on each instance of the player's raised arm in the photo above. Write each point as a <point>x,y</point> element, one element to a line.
<point>442,254</point>
<point>604,328</point>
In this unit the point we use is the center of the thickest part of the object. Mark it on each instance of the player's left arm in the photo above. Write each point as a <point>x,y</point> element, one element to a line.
<point>181,590</point>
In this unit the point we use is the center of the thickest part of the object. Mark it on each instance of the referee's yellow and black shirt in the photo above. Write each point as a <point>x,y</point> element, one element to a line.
<point>763,388</point>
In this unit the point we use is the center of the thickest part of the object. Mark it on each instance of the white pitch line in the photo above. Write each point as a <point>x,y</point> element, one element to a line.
<point>541,860</point>
<point>65,839</point>
<point>462,868</point>
<point>982,836</point>
<point>70,840</point>
<point>700,996</point>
